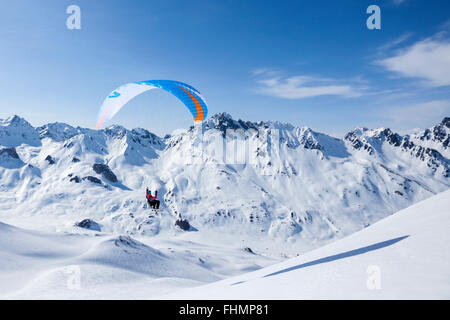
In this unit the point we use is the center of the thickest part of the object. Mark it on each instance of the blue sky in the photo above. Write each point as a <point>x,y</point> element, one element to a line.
<point>310,63</point>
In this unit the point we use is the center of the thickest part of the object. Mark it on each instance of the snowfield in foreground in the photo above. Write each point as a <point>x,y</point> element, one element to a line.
<point>404,256</point>
<point>38,265</point>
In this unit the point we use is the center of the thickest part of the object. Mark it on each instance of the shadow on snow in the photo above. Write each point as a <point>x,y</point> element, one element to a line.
<point>343,255</point>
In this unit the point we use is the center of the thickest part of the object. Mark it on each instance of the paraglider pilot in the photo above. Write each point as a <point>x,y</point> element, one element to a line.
<point>152,201</point>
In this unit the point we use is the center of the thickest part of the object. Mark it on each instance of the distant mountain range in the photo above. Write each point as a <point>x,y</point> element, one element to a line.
<point>301,190</point>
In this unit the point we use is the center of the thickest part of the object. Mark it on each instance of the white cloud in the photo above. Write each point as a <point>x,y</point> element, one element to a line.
<point>419,115</point>
<point>299,87</point>
<point>259,71</point>
<point>428,59</point>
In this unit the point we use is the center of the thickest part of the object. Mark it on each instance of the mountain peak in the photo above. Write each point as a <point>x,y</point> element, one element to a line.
<point>14,121</point>
<point>15,131</point>
<point>57,131</point>
<point>222,116</point>
<point>116,131</point>
<point>224,121</point>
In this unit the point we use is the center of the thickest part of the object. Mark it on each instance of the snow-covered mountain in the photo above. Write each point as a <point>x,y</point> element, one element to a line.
<point>235,195</point>
<point>289,190</point>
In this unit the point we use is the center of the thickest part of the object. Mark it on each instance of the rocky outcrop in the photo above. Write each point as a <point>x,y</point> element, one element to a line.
<point>105,171</point>
<point>75,179</point>
<point>357,144</point>
<point>183,224</point>
<point>10,152</point>
<point>88,224</point>
<point>249,250</point>
<point>93,179</point>
<point>50,159</point>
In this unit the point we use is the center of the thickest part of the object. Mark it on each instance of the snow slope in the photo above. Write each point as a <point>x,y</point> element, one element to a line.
<point>408,252</point>
<point>92,265</point>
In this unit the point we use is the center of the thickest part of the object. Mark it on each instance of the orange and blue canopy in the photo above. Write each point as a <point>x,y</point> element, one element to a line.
<point>191,98</point>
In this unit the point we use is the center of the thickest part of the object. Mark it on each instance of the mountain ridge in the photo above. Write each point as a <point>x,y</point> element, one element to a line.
<point>291,184</point>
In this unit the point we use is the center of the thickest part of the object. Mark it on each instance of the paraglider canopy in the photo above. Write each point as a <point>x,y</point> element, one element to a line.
<point>191,98</point>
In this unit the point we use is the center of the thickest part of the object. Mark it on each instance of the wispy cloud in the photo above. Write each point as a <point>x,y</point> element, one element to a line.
<point>394,43</point>
<point>274,84</point>
<point>428,59</point>
<point>446,25</point>
<point>418,115</point>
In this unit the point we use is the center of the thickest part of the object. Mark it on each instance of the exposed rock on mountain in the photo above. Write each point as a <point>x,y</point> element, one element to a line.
<point>88,224</point>
<point>10,152</point>
<point>50,160</point>
<point>105,171</point>
<point>251,180</point>
<point>183,224</point>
